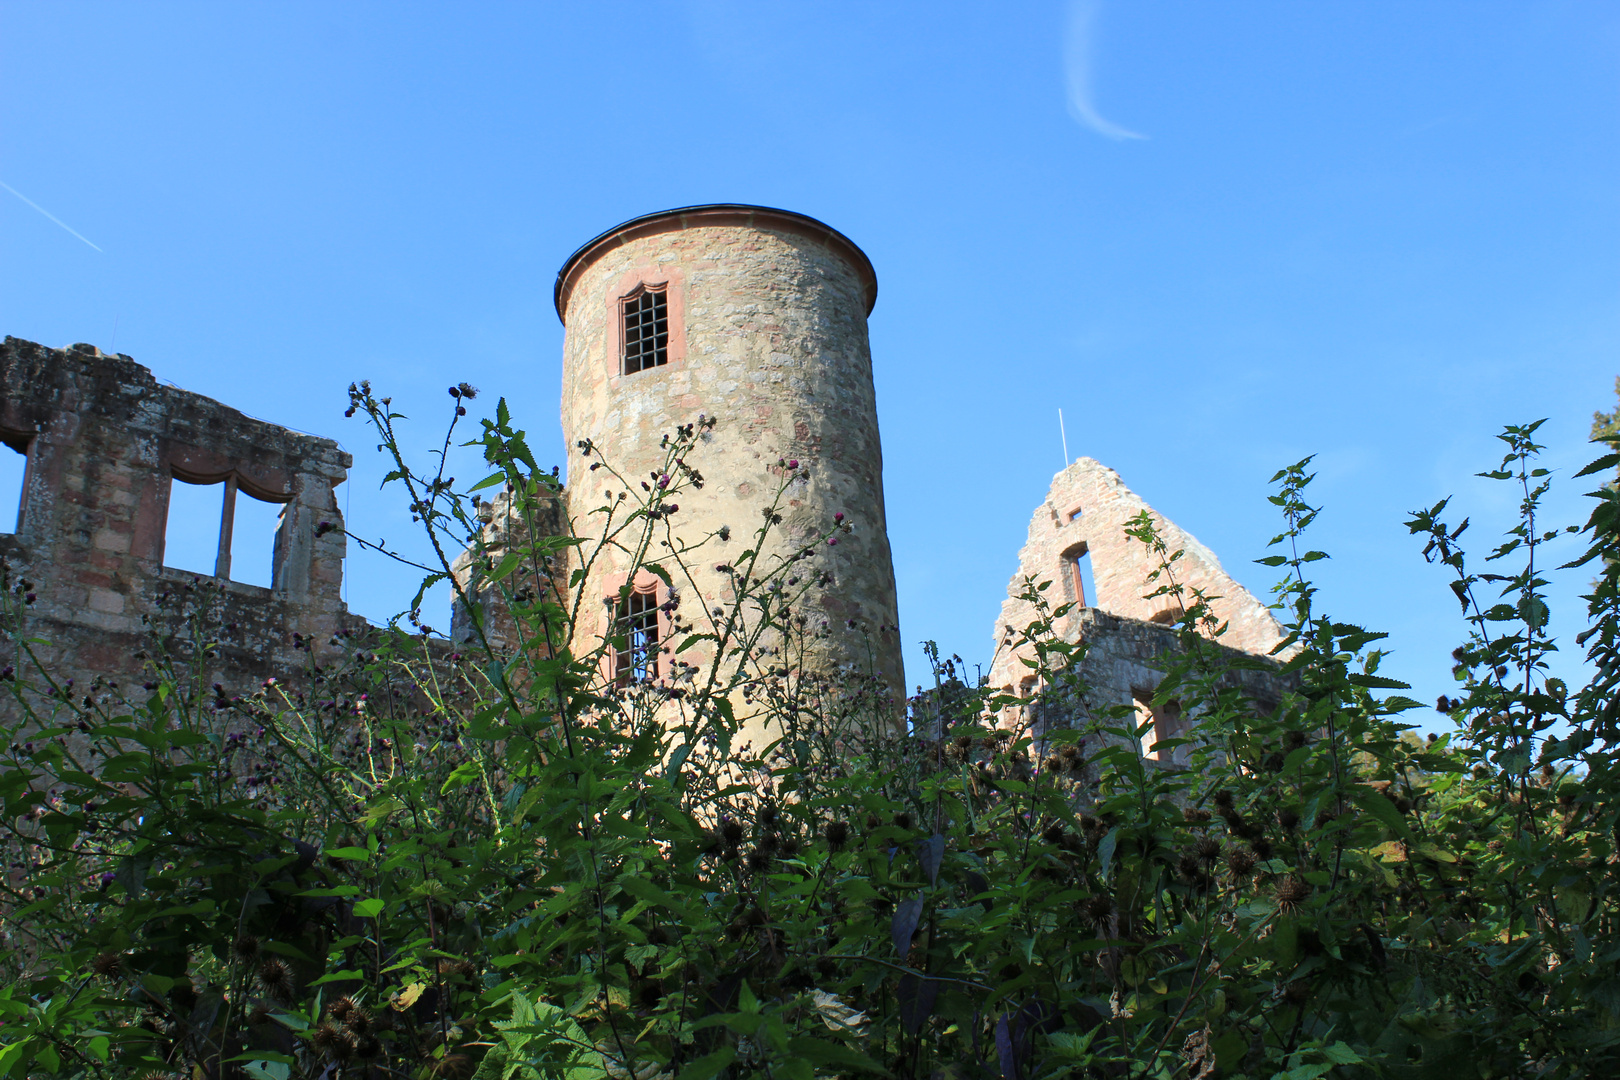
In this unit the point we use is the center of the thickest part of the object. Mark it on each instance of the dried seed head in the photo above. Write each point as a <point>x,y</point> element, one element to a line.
<point>1195,815</point>
<point>108,965</point>
<point>1207,848</point>
<point>1223,799</point>
<point>276,978</point>
<point>339,1010</point>
<point>1241,861</point>
<point>358,1021</point>
<point>902,820</point>
<point>1288,819</point>
<point>334,1043</point>
<point>247,947</point>
<point>1291,892</point>
<point>1098,907</point>
<point>837,835</point>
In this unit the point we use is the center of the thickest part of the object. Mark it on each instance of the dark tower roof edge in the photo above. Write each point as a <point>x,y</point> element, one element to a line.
<point>687,217</point>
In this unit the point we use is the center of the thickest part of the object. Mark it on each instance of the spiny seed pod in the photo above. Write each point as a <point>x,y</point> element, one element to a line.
<point>1291,892</point>
<point>1098,907</point>
<point>759,861</point>
<point>1052,834</point>
<point>731,832</point>
<point>334,1043</point>
<point>259,1015</point>
<point>276,978</point>
<point>1195,815</point>
<point>1054,764</point>
<point>358,1021</point>
<point>108,965</point>
<point>1288,819</point>
<point>339,1010</point>
<point>247,947</point>
<point>837,835</point>
<point>1223,799</point>
<point>767,814</point>
<point>1207,848</point>
<point>1241,861</point>
<point>902,820</point>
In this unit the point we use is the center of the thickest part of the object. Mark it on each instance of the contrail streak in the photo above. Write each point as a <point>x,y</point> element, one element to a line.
<point>46,212</point>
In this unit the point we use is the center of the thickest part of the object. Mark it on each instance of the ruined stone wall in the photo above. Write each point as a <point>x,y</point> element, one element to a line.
<point>1123,664</point>
<point>103,441</point>
<point>1085,513</point>
<point>768,335</point>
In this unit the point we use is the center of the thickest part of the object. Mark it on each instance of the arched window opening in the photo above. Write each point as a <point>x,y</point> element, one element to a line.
<point>13,478</point>
<point>637,659</point>
<point>1168,617</point>
<point>1077,581</point>
<point>211,531</point>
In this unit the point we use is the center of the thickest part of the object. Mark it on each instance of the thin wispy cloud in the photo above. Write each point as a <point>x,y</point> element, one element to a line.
<point>46,212</point>
<point>1078,49</point>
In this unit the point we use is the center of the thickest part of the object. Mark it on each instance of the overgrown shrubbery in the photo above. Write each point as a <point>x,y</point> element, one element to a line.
<point>504,864</point>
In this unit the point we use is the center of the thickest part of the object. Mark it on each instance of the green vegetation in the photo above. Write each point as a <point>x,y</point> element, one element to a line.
<point>489,865</point>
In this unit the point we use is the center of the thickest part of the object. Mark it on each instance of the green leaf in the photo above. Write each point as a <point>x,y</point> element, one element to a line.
<point>1381,808</point>
<point>460,776</point>
<point>706,1067</point>
<point>358,854</point>
<point>825,1052</point>
<point>369,909</point>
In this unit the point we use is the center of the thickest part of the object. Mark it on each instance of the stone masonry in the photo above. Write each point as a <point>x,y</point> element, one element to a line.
<point>104,443</point>
<point>1129,636</point>
<point>767,333</point>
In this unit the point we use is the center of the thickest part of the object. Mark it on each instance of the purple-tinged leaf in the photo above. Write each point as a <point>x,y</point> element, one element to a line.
<point>1004,1049</point>
<point>917,994</point>
<point>904,924</point>
<point>931,852</point>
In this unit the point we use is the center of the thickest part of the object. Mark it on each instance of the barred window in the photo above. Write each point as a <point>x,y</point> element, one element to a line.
<point>646,330</point>
<point>638,623</point>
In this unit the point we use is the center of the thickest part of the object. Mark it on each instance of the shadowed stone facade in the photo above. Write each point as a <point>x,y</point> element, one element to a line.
<point>105,441</point>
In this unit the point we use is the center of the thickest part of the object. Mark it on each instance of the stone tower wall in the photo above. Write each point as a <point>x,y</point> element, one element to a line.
<point>768,336</point>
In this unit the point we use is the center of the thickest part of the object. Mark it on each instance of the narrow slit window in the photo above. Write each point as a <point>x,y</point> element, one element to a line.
<point>1077,576</point>
<point>646,330</point>
<point>13,480</point>
<point>637,661</point>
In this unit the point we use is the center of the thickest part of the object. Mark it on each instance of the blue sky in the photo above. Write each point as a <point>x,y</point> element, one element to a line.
<point>1220,237</point>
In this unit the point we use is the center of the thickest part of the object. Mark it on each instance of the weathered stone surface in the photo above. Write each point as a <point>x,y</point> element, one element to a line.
<point>103,439</point>
<point>1086,513</point>
<point>1129,636</point>
<point>767,335</point>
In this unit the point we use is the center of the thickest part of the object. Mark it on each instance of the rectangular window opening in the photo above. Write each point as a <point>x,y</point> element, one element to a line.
<point>253,539</point>
<point>646,331</point>
<point>13,479</point>
<point>191,534</point>
<point>1166,724</point>
<point>638,622</point>
<point>218,530</point>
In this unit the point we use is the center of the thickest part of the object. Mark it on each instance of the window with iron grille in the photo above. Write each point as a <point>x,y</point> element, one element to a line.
<point>646,330</point>
<point>638,623</point>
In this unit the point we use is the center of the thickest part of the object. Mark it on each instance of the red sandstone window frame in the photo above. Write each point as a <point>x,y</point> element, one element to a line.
<point>622,667</point>
<point>630,285</point>
<point>1072,557</point>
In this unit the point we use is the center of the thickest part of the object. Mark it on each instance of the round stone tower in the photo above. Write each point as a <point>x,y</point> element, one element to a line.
<point>757,318</point>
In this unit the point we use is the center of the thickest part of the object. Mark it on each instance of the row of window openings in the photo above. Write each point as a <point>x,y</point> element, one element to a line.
<point>215,529</point>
